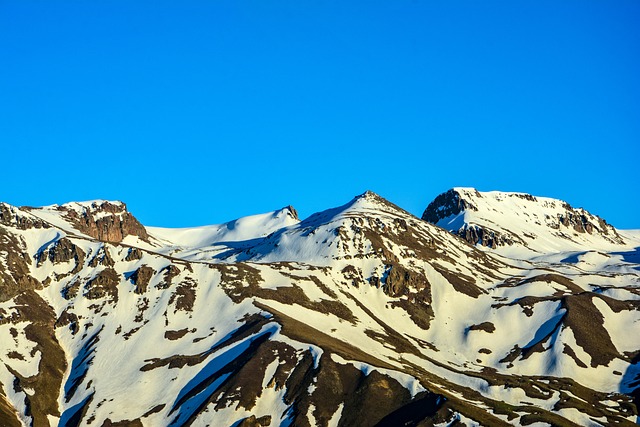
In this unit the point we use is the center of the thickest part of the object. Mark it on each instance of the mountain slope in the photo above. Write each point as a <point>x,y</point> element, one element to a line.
<point>523,223</point>
<point>358,315</point>
<point>221,241</point>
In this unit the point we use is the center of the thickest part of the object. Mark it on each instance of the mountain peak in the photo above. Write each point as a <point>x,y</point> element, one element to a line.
<point>367,196</point>
<point>104,220</point>
<point>449,203</point>
<point>227,237</point>
<point>291,211</point>
<point>371,200</point>
<point>498,218</point>
<point>94,206</point>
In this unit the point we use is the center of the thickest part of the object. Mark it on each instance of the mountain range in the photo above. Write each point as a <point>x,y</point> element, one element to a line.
<point>492,309</point>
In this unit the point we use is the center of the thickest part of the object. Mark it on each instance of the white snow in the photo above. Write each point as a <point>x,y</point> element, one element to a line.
<point>241,229</point>
<point>533,221</point>
<point>287,252</point>
<point>335,418</point>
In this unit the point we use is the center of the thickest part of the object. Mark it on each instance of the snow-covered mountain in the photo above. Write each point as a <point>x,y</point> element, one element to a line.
<point>358,315</point>
<point>522,223</point>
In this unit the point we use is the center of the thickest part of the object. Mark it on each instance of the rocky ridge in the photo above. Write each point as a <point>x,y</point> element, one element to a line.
<point>479,218</point>
<point>107,221</point>
<point>358,315</point>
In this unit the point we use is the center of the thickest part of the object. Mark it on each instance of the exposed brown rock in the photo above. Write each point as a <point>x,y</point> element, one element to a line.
<point>48,381</point>
<point>8,414</point>
<point>571,353</point>
<point>102,257</point>
<point>484,236</point>
<point>353,275</point>
<point>484,326</point>
<point>170,272</point>
<point>113,227</point>
<point>400,281</point>
<point>70,291</point>
<point>184,296</point>
<point>63,250</point>
<point>445,205</point>
<point>292,212</point>
<point>587,324</point>
<point>175,335</point>
<point>252,421</point>
<point>461,283</point>
<point>583,222</point>
<point>16,277</point>
<point>416,289</point>
<point>104,283</point>
<point>68,318</point>
<point>141,278</point>
<point>19,218</point>
<point>124,423</point>
<point>243,282</point>
<point>133,254</point>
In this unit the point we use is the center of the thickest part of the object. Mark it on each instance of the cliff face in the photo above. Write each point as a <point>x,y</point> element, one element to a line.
<point>108,221</point>
<point>12,216</point>
<point>447,204</point>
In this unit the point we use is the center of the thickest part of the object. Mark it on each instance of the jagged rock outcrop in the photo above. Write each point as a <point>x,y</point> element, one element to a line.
<point>15,266</point>
<point>447,204</point>
<point>103,220</point>
<point>292,212</point>
<point>12,216</point>
<point>495,219</point>
<point>141,278</point>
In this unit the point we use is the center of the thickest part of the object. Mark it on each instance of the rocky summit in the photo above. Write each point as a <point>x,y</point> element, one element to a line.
<point>492,309</point>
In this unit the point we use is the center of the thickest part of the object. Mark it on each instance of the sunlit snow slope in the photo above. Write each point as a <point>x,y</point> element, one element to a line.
<point>519,223</point>
<point>519,310</point>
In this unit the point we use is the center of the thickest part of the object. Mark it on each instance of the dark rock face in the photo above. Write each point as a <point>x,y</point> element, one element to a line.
<point>68,318</point>
<point>106,221</point>
<point>400,280</point>
<point>102,257</point>
<point>583,223</point>
<point>292,212</point>
<point>252,421</point>
<point>169,273</point>
<point>133,254</point>
<point>14,217</point>
<point>445,205</point>
<point>103,284</point>
<point>47,382</point>
<point>14,272</point>
<point>484,236</point>
<point>141,278</point>
<point>62,251</point>
<point>451,203</point>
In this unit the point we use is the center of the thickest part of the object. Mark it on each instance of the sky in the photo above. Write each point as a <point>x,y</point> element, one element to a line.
<point>197,113</point>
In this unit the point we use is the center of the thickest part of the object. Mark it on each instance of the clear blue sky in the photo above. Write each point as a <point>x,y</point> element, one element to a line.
<point>200,112</point>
